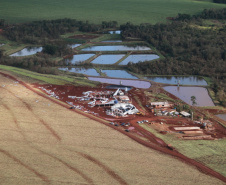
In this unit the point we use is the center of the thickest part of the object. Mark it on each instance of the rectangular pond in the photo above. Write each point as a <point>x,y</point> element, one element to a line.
<point>185,93</point>
<point>118,74</point>
<point>116,48</point>
<point>222,116</point>
<point>107,59</point>
<point>133,83</point>
<point>79,58</point>
<point>89,72</point>
<point>27,51</point>
<point>187,80</point>
<point>139,58</point>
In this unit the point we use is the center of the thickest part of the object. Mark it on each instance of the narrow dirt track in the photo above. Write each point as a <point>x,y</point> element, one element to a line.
<point>63,152</point>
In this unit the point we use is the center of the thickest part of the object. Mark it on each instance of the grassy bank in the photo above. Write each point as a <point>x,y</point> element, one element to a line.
<point>208,152</point>
<point>34,77</point>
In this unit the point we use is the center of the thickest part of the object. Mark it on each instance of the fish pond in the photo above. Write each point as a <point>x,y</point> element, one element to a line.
<point>116,48</point>
<point>185,93</point>
<point>118,74</point>
<point>89,72</point>
<point>133,83</point>
<point>107,59</point>
<point>27,51</point>
<point>139,58</point>
<point>189,80</point>
<point>79,58</point>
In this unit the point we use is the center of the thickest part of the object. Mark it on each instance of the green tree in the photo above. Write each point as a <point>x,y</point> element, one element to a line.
<point>193,99</point>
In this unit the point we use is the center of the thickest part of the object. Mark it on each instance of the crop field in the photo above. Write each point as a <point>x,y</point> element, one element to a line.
<point>96,11</point>
<point>45,143</point>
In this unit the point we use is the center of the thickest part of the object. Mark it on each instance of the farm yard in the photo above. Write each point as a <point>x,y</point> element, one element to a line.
<point>41,147</point>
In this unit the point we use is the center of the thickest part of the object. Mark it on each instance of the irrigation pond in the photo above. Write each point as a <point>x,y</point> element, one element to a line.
<point>107,59</point>
<point>189,80</point>
<point>185,93</point>
<point>116,48</point>
<point>139,58</point>
<point>89,72</point>
<point>27,51</point>
<point>133,83</point>
<point>79,58</point>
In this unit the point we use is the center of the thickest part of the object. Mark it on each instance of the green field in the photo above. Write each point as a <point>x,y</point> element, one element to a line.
<point>209,152</point>
<point>96,11</point>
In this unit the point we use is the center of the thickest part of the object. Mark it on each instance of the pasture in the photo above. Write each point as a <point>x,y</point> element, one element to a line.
<point>96,11</point>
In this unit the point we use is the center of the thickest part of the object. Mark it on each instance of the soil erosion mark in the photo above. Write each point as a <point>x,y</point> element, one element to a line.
<point>53,132</point>
<point>105,168</point>
<point>41,176</point>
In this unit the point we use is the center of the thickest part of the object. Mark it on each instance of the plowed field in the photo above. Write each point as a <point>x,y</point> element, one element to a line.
<point>44,143</point>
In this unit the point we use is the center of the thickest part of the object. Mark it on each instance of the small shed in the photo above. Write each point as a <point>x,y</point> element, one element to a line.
<point>185,114</point>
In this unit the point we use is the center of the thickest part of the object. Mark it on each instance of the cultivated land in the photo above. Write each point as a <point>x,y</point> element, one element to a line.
<point>96,11</point>
<point>45,143</point>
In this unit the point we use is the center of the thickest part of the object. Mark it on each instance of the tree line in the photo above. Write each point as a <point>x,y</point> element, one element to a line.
<point>39,32</point>
<point>188,49</point>
<point>220,1</point>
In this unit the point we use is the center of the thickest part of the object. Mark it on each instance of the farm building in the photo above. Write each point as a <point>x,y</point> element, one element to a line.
<point>161,104</point>
<point>185,114</point>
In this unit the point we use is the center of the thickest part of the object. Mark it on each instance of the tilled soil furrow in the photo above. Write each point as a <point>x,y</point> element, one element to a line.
<point>104,167</point>
<point>41,176</point>
<point>53,132</point>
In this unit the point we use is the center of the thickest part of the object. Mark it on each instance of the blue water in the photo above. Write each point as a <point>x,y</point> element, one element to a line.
<point>190,80</point>
<point>116,48</point>
<point>79,58</point>
<point>27,51</point>
<point>89,72</point>
<point>185,93</point>
<point>107,59</point>
<point>139,58</point>
<point>115,32</point>
<point>118,74</point>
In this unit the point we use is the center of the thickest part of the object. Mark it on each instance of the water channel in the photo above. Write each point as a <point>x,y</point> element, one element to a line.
<point>27,51</point>
<point>185,93</point>
<point>187,80</point>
